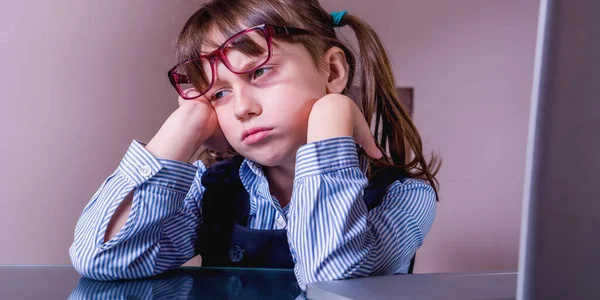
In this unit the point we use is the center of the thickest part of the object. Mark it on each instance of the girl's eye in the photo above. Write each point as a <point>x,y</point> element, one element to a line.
<point>260,72</point>
<point>255,75</point>
<point>219,94</point>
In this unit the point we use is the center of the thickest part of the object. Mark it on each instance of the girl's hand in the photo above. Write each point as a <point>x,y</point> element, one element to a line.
<point>336,115</point>
<point>189,127</point>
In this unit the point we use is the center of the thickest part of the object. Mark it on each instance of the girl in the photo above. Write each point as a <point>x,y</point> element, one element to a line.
<point>263,83</point>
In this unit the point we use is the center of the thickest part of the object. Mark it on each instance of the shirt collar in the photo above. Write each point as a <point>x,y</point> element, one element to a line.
<point>253,178</point>
<point>254,167</point>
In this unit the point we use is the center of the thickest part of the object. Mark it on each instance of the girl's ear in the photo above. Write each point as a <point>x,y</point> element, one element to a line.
<point>337,68</point>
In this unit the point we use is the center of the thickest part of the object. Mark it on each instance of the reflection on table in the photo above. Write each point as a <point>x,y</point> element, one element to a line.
<point>197,283</point>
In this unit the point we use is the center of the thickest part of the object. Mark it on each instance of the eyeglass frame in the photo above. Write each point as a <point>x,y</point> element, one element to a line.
<point>269,31</point>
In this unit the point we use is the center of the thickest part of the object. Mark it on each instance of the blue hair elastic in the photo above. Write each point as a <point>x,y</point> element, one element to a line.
<point>337,18</point>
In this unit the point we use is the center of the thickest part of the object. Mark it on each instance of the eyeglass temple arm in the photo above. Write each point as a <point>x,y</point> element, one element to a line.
<point>181,78</point>
<point>284,30</point>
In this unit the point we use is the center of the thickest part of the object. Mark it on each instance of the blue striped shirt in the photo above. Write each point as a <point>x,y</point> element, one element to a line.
<point>331,233</point>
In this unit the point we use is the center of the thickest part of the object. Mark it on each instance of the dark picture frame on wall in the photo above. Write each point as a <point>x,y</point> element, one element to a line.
<point>406,96</point>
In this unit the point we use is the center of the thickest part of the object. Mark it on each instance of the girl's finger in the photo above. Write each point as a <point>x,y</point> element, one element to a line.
<point>363,136</point>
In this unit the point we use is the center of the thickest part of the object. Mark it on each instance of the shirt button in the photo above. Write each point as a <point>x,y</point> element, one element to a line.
<point>236,253</point>
<point>280,223</point>
<point>145,170</point>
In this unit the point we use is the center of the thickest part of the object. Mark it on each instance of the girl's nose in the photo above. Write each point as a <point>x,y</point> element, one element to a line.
<point>246,105</point>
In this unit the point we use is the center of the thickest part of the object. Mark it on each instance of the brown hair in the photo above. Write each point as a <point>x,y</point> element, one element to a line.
<point>393,127</point>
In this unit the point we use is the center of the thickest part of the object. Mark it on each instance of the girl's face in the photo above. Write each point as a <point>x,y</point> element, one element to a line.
<point>264,114</point>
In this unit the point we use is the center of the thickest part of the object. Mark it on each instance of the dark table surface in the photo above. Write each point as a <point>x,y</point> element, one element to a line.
<point>62,282</point>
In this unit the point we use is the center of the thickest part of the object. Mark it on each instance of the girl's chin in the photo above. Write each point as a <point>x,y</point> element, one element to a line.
<point>269,157</point>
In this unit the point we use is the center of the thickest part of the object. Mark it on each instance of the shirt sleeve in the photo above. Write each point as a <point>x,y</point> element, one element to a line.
<point>333,236</point>
<point>160,232</point>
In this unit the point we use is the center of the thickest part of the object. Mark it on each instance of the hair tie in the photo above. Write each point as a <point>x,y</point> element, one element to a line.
<point>337,18</point>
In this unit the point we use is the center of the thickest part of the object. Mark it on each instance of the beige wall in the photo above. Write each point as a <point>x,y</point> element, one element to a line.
<point>79,81</point>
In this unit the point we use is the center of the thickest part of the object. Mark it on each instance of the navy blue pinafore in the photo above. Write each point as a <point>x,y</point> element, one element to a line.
<point>224,239</point>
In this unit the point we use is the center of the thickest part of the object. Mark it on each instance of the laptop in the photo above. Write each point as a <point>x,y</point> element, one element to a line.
<point>560,241</point>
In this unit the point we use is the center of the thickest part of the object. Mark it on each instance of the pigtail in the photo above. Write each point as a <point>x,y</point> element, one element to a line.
<point>390,122</point>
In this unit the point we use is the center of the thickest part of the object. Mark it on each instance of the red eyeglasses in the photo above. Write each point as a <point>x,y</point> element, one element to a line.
<point>242,53</point>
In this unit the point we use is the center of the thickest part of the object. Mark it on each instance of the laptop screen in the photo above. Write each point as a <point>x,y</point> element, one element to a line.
<point>560,244</point>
